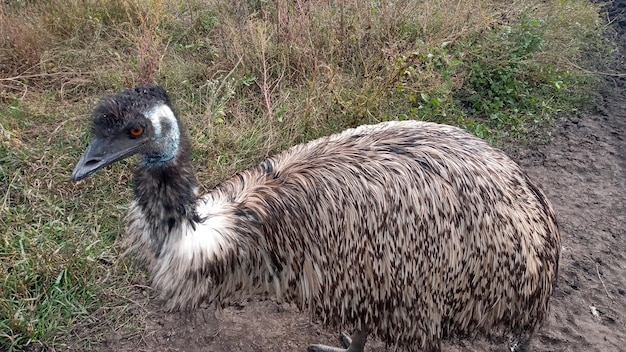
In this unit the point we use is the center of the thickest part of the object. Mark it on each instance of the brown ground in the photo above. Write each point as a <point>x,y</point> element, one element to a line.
<point>583,171</point>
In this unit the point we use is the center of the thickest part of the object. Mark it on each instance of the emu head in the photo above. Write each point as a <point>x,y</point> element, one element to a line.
<point>135,121</point>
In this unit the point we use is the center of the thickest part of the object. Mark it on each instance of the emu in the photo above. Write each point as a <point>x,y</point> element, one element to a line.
<point>412,232</point>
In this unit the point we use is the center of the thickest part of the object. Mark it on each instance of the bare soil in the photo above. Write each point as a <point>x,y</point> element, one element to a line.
<point>583,171</point>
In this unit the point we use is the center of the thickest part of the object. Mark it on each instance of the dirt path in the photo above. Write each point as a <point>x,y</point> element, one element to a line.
<point>583,171</point>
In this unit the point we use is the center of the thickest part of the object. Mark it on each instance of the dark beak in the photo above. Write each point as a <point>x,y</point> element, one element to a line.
<point>101,153</point>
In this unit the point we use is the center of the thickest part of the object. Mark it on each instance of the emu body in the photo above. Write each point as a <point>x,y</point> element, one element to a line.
<point>410,231</point>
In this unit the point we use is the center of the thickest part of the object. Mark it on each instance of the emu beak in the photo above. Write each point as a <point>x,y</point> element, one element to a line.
<point>101,153</point>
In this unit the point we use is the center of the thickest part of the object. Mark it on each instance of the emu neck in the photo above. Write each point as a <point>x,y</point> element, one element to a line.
<point>167,195</point>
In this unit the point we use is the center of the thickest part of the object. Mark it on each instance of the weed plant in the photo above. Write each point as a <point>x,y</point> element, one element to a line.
<point>248,78</point>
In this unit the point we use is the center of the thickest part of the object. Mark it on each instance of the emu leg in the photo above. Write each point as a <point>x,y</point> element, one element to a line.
<point>354,343</point>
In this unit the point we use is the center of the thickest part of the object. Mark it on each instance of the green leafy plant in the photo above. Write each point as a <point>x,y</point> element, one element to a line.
<point>508,88</point>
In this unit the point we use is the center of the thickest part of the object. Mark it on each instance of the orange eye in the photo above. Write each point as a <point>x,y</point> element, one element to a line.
<point>136,131</point>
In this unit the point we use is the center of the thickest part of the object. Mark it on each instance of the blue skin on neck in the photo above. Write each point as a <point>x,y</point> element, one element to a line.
<point>156,160</point>
<point>167,153</point>
<point>166,149</point>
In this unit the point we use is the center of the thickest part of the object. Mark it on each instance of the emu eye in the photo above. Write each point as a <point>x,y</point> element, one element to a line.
<point>136,131</point>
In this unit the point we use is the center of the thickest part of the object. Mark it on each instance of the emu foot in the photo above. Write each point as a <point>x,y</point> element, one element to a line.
<point>520,343</point>
<point>354,343</point>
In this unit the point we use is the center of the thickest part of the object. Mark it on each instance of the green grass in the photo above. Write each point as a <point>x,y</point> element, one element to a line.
<point>52,252</point>
<point>248,79</point>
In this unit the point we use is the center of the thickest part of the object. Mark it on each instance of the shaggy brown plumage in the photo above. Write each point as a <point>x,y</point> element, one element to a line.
<point>410,231</point>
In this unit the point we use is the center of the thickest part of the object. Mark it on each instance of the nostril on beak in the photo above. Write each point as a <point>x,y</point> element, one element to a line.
<point>92,162</point>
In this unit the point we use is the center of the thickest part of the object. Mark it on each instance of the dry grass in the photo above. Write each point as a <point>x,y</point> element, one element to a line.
<point>249,78</point>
